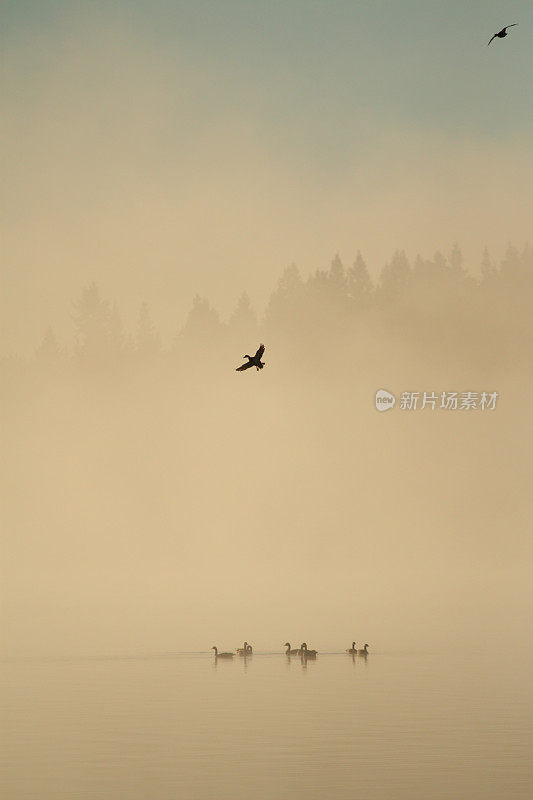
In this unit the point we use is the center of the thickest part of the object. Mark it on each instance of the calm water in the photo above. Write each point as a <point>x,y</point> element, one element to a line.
<point>392,726</point>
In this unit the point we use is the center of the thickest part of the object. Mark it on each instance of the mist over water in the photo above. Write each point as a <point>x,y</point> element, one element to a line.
<point>390,726</point>
<point>156,500</point>
<point>349,184</point>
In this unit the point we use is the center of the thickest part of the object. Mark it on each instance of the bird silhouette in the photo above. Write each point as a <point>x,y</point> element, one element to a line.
<point>290,652</point>
<point>253,361</point>
<point>503,32</point>
<point>221,655</point>
<point>305,653</point>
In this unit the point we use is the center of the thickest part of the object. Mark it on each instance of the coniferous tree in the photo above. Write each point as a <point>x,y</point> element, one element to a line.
<point>456,262</point>
<point>327,296</point>
<point>286,305</point>
<point>337,277</point>
<point>358,283</point>
<point>202,333</point>
<point>395,277</point>
<point>93,329</point>
<point>421,271</point>
<point>488,269</point>
<point>510,267</point>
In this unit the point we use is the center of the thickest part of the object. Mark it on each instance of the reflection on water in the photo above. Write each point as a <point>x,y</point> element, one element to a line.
<point>267,726</point>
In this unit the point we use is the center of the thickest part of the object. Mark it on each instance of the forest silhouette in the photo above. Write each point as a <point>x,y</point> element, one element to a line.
<point>428,306</point>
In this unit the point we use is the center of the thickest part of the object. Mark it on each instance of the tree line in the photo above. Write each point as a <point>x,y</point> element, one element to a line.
<point>435,301</point>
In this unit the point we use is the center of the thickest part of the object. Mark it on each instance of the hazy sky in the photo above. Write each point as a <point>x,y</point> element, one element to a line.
<point>163,149</point>
<point>167,148</point>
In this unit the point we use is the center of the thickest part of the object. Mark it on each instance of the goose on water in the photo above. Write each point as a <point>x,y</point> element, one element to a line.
<point>245,650</point>
<point>305,653</point>
<point>221,655</point>
<point>290,652</point>
<point>363,652</point>
<point>352,650</point>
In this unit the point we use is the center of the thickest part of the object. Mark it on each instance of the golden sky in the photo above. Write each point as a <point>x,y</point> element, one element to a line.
<point>166,149</point>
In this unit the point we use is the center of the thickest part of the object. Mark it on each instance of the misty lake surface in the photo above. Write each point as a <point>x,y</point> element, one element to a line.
<point>409,726</point>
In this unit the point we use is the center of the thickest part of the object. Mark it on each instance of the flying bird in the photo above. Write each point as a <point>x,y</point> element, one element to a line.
<point>253,361</point>
<point>503,32</point>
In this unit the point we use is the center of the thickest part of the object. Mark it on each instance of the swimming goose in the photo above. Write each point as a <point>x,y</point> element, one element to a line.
<point>245,650</point>
<point>305,653</point>
<point>289,652</point>
<point>352,649</point>
<point>363,652</point>
<point>253,361</point>
<point>221,655</point>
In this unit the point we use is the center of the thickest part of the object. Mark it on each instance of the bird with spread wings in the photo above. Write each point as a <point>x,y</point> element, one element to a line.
<point>503,32</point>
<point>253,361</point>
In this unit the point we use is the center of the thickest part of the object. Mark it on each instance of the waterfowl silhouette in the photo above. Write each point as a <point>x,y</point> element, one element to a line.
<point>305,653</point>
<point>501,34</point>
<point>245,650</point>
<point>363,652</point>
<point>289,652</point>
<point>253,361</point>
<point>221,655</point>
<point>352,650</point>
